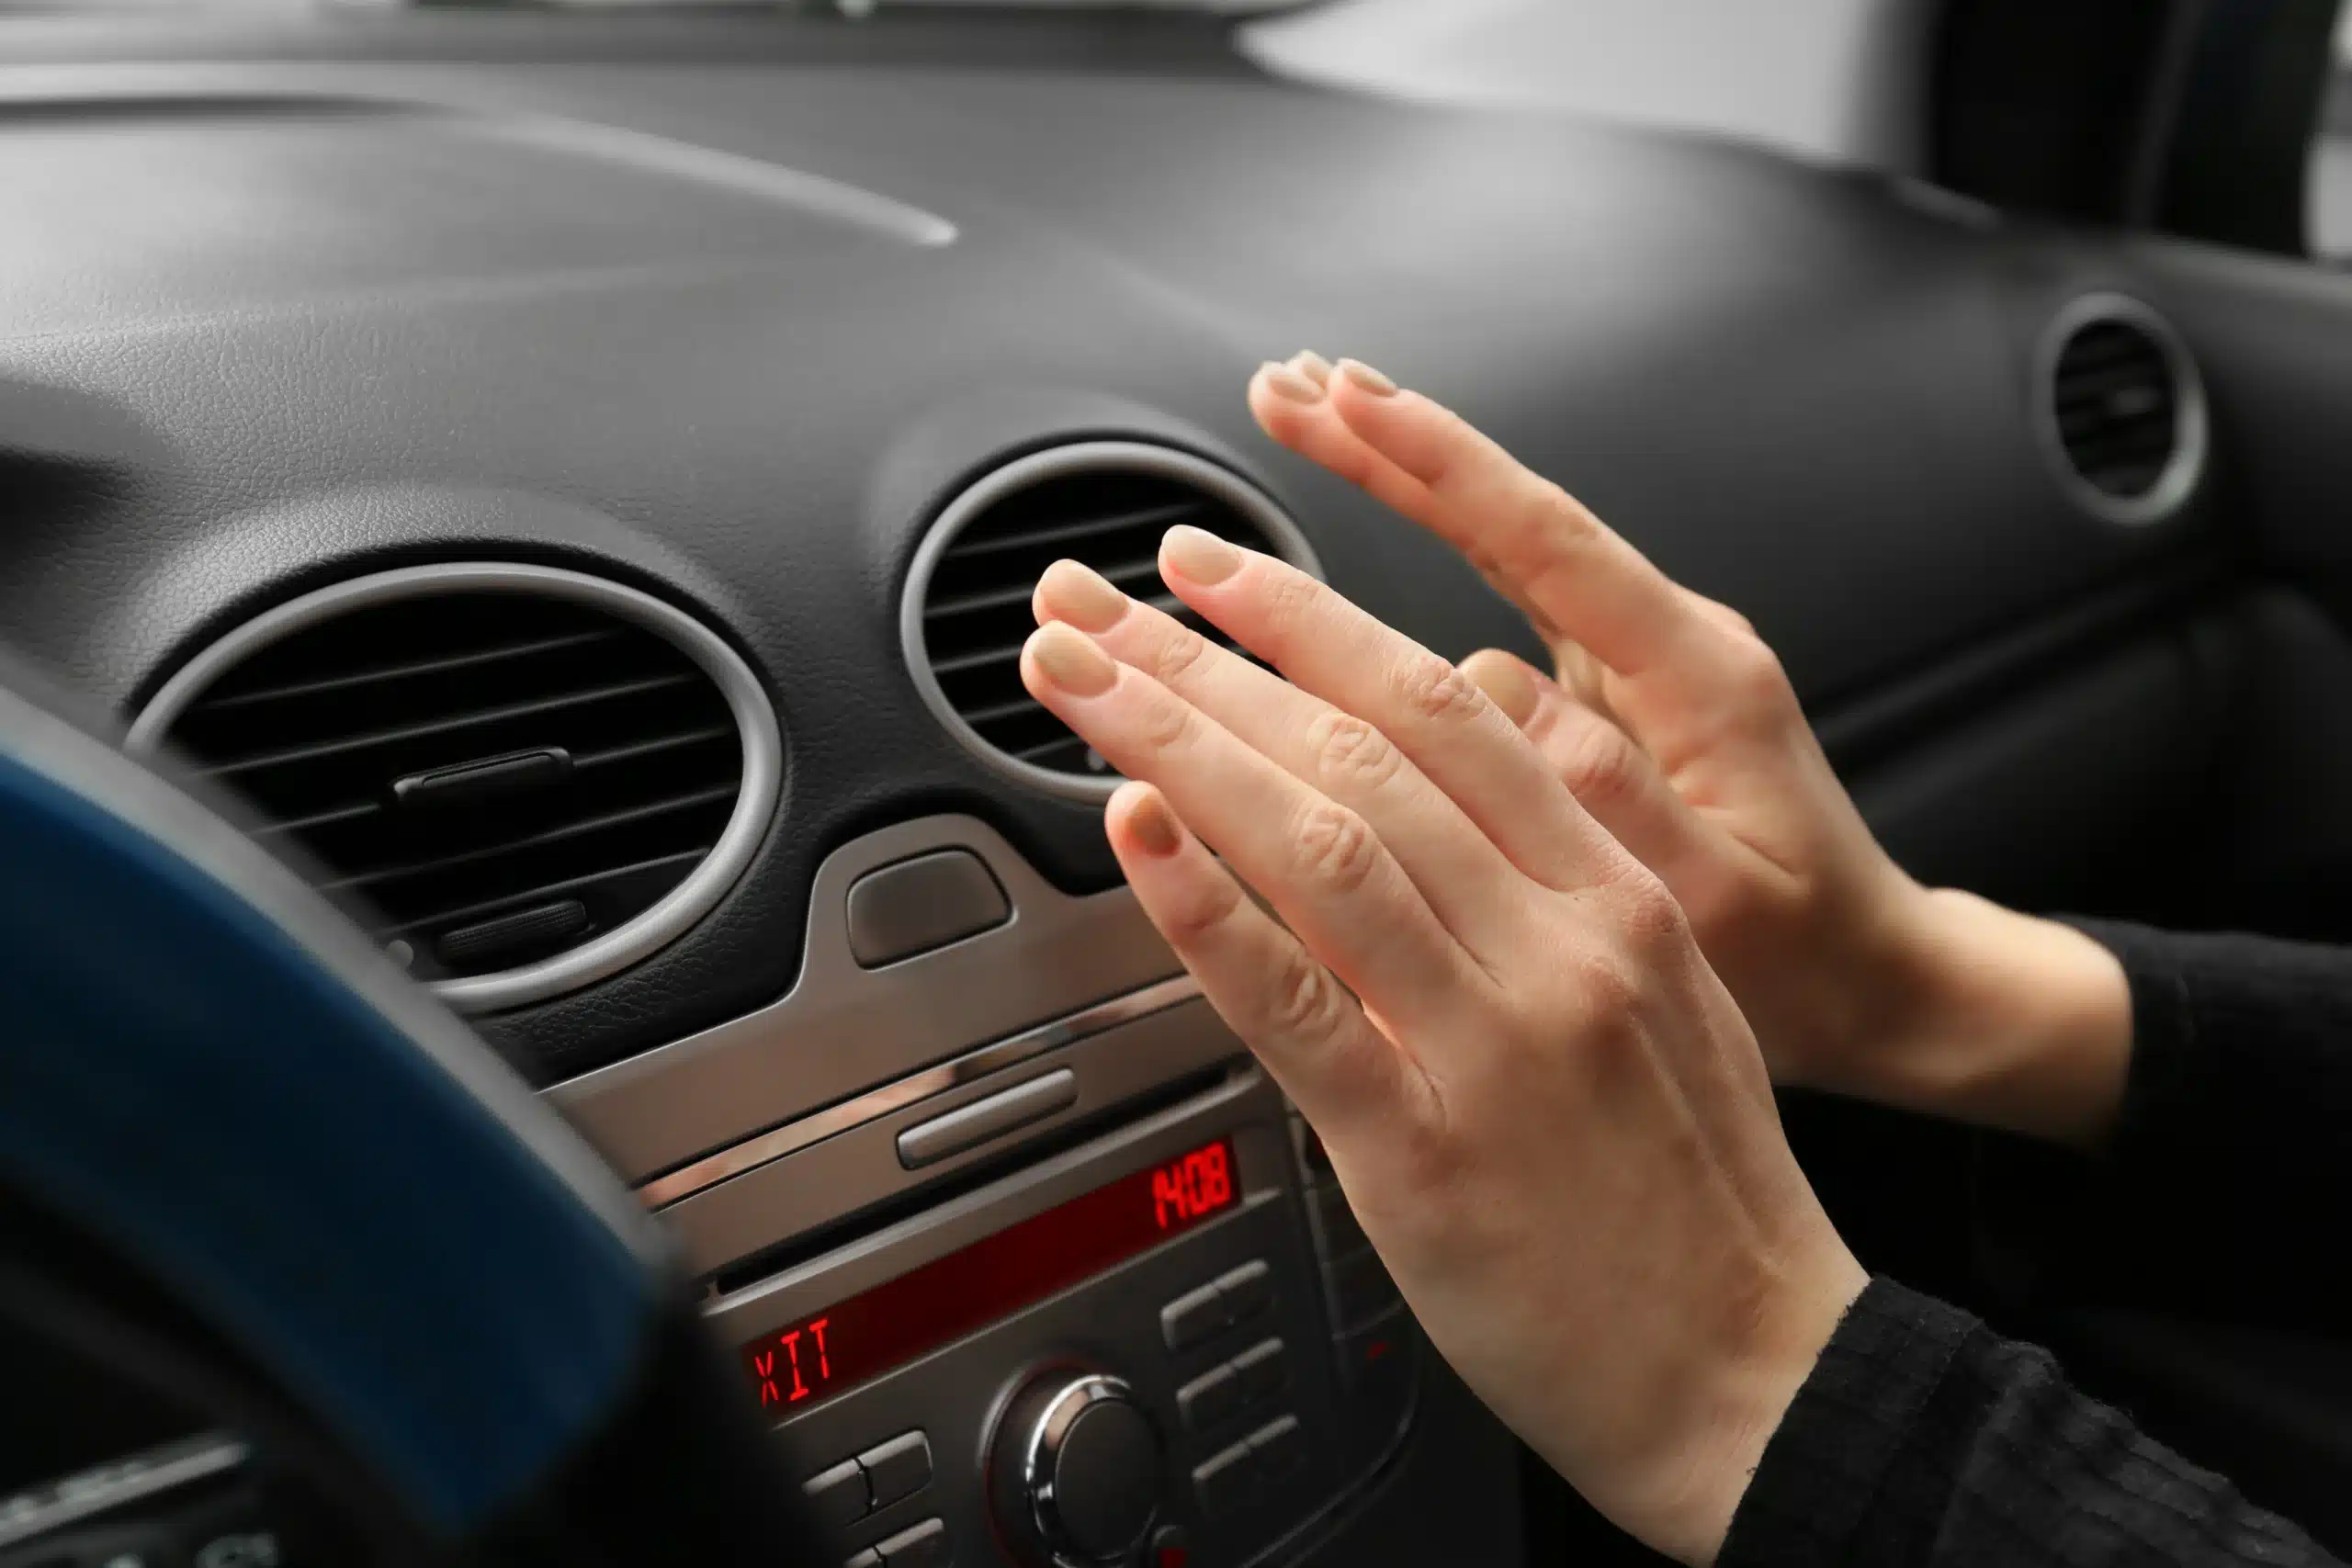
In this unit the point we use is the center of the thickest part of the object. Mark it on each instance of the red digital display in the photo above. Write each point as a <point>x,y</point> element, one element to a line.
<point>947,1298</point>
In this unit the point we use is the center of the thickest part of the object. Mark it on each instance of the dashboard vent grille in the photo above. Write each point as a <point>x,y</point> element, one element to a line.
<point>2125,410</point>
<point>1103,503</point>
<point>495,776</point>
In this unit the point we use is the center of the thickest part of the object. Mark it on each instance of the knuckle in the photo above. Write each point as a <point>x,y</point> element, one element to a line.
<point>1347,750</point>
<point>1175,660</point>
<point>1304,1001</point>
<point>1435,692</point>
<point>1201,915</point>
<point>1168,725</point>
<point>1599,765</point>
<point>1289,602</point>
<point>1336,847</point>
<point>1653,918</point>
<point>1759,684</point>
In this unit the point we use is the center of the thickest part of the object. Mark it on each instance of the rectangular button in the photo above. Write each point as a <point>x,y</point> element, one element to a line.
<point>1262,1372</point>
<point>1280,1447</point>
<point>1210,1398</point>
<point>838,1497</point>
<point>923,1546</point>
<point>920,904</point>
<point>1337,1231</point>
<point>1227,1480</point>
<point>869,1558</point>
<point>969,1126</point>
<point>1192,1317</point>
<point>1247,1291</point>
<point>1360,1289</point>
<point>899,1468</point>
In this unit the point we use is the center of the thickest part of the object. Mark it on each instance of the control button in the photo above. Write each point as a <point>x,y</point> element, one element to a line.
<point>838,1497</point>
<point>1280,1447</point>
<point>899,1468</point>
<point>1225,1479</point>
<point>1247,1291</point>
<point>1171,1548</point>
<point>1376,1361</point>
<point>920,904</point>
<point>921,1546</point>
<point>1261,1371</point>
<point>969,1126</point>
<point>1194,1317</point>
<point>1360,1289</point>
<point>1210,1398</point>
<point>1337,1232</point>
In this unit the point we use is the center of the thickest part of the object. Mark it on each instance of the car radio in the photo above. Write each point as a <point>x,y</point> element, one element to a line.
<point>1026,1257</point>
<point>1167,1346</point>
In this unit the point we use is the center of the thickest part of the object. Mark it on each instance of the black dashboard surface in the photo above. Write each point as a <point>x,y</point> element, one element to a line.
<point>728,311</point>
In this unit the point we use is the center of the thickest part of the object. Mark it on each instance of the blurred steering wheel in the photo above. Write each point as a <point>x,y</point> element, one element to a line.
<point>241,1151</point>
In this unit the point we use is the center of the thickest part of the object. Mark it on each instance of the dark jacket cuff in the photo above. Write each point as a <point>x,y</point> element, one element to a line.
<point>1846,1432</point>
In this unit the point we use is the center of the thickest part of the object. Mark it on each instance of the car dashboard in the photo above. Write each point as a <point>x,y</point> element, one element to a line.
<point>569,482</point>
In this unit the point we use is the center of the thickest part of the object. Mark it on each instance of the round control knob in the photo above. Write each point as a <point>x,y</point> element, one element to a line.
<point>1076,1472</point>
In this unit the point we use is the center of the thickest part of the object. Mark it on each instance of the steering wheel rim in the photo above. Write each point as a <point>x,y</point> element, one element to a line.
<point>210,1072</point>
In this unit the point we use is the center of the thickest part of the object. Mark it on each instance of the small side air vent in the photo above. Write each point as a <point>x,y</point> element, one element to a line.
<point>529,778</point>
<point>2122,409</point>
<point>967,609</point>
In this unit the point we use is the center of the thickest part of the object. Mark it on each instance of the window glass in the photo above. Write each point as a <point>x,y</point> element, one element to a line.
<point>2330,191</point>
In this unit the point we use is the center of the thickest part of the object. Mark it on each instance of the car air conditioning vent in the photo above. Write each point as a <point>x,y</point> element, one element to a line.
<point>523,779</point>
<point>2124,411</point>
<point>1106,503</point>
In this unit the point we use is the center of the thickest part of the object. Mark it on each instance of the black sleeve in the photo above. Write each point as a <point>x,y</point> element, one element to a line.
<point>1925,1439</point>
<point>2223,1185</point>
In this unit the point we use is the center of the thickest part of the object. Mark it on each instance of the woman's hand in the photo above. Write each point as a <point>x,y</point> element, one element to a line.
<point>1545,1107</point>
<point>1673,723</point>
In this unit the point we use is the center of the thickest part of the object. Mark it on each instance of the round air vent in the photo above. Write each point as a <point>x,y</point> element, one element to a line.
<point>1104,503</point>
<point>2121,409</point>
<point>530,778</point>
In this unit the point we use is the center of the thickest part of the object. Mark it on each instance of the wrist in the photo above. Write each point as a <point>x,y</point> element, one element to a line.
<point>1997,1019</point>
<point>1756,1389</point>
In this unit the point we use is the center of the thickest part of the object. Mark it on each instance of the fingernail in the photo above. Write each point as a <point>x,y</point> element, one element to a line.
<point>1153,825</point>
<point>1312,366</point>
<point>1071,661</point>
<point>1288,383</point>
<point>1364,376</point>
<point>1199,555</point>
<point>1506,682</point>
<point>1082,596</point>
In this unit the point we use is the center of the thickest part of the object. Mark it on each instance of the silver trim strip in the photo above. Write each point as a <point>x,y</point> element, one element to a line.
<point>106,1487</point>
<point>1056,462</point>
<point>774,1145</point>
<point>669,919</point>
<point>2193,425</point>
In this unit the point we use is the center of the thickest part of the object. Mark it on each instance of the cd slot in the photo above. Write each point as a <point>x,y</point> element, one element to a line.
<point>1116,1075</point>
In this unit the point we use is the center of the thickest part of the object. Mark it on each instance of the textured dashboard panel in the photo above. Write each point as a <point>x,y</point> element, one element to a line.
<point>1802,391</point>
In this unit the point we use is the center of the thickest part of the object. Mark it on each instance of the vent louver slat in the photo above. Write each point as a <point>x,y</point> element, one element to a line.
<point>2125,415</point>
<point>1106,505</point>
<point>497,766</point>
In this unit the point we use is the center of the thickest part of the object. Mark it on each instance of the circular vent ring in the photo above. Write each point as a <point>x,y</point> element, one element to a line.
<point>605,954</point>
<point>1217,485</point>
<point>2169,487</point>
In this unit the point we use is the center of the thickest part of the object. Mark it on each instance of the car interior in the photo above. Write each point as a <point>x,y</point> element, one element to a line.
<point>659,1064</point>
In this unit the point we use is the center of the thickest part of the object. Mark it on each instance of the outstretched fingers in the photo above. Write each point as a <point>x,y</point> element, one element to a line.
<point>1321,864</point>
<point>1312,1035</point>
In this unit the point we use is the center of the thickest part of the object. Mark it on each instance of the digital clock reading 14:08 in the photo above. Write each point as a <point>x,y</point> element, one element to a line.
<point>1192,1188</point>
<point>865,1335</point>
